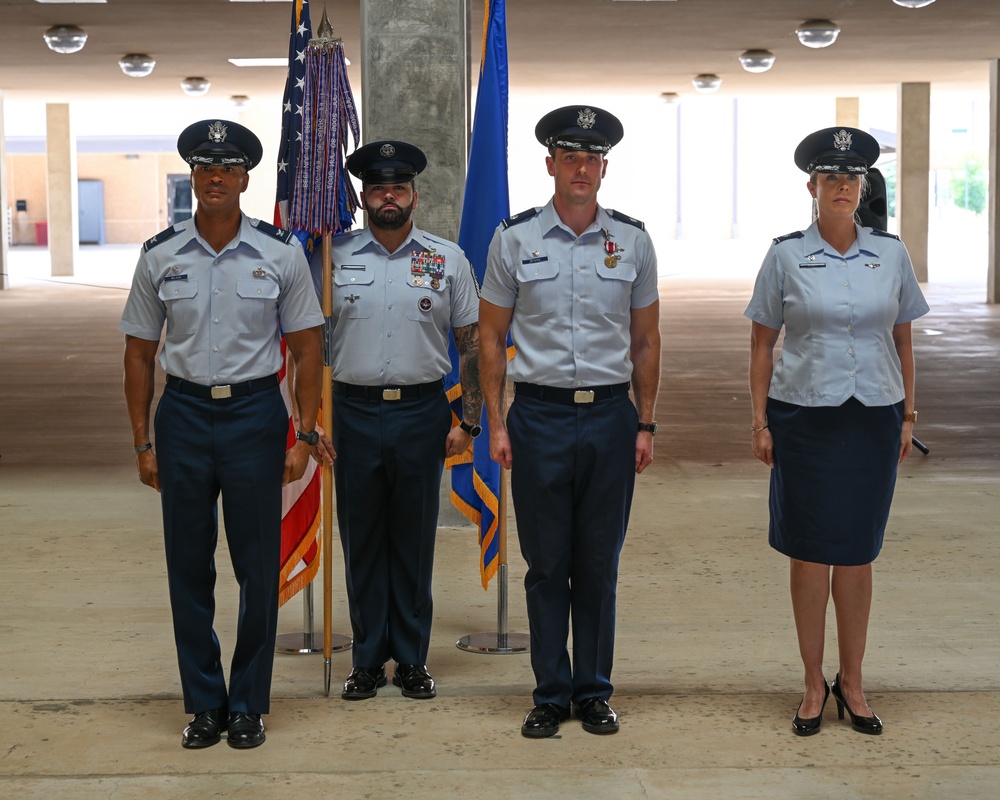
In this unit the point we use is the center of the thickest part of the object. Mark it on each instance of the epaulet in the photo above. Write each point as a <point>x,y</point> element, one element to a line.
<point>886,234</point>
<point>440,240</point>
<point>618,215</point>
<point>524,216</point>
<point>277,233</point>
<point>160,238</point>
<point>787,236</point>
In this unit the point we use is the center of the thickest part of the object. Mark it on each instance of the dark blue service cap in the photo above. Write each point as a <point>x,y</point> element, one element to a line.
<point>837,150</point>
<point>386,162</point>
<point>580,128</point>
<point>219,142</point>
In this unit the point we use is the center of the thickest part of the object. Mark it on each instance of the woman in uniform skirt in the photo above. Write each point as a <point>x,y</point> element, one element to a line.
<point>833,416</point>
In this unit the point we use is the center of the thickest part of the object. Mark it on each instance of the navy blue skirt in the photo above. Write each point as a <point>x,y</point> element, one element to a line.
<point>833,478</point>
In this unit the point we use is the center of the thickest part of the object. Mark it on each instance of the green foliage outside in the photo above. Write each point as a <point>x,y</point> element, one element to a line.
<point>968,186</point>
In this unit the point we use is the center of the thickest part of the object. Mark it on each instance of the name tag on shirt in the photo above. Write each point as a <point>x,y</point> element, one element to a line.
<point>352,266</point>
<point>534,260</point>
<point>812,265</point>
<point>169,278</point>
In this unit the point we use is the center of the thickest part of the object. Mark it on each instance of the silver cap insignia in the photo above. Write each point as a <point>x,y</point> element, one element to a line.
<point>217,132</point>
<point>387,151</point>
<point>586,118</point>
<point>842,140</point>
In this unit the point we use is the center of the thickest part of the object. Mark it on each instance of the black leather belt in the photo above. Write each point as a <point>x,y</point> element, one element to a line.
<point>224,391</point>
<point>570,397</point>
<point>390,393</point>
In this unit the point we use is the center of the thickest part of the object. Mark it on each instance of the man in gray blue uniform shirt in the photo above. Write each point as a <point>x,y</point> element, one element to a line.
<point>575,285</point>
<point>225,286</point>
<point>397,292</point>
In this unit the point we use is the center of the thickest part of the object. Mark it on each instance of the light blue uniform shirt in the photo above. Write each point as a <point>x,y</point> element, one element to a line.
<point>222,310</point>
<point>572,314</point>
<point>392,312</point>
<point>838,312</point>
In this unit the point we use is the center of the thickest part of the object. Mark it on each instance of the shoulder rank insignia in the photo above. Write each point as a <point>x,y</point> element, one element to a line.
<point>787,236</point>
<point>524,216</point>
<point>618,215</point>
<point>160,238</point>
<point>276,233</point>
<point>886,234</point>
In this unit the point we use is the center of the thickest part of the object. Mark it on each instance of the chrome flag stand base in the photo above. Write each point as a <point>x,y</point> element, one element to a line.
<point>308,641</point>
<point>501,642</point>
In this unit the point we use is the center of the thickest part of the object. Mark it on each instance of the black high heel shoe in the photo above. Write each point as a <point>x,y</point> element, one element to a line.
<point>871,725</point>
<point>807,727</point>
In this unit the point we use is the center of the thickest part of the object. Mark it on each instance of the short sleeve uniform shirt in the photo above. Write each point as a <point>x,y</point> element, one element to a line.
<point>572,295</point>
<point>838,312</point>
<point>224,312</point>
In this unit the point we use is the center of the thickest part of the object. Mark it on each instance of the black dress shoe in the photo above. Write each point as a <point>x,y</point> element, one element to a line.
<point>597,716</point>
<point>871,725</point>
<point>363,682</point>
<point>415,681</point>
<point>205,729</point>
<point>807,727</point>
<point>245,730</point>
<point>543,720</point>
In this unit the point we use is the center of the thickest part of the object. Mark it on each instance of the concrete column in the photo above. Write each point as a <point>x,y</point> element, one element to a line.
<point>849,112</point>
<point>63,211</point>
<point>4,225</point>
<point>414,87</point>
<point>913,171</point>
<point>993,273</point>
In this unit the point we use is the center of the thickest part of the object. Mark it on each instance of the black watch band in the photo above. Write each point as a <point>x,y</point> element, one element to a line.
<point>142,448</point>
<point>649,427</point>
<point>311,438</point>
<point>473,430</point>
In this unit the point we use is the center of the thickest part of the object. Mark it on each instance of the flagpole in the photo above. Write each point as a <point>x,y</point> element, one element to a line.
<point>502,642</point>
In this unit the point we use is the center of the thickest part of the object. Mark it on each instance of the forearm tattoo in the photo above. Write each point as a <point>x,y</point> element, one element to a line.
<point>467,344</point>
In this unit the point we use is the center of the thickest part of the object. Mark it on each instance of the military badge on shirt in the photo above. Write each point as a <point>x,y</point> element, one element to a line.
<point>426,268</point>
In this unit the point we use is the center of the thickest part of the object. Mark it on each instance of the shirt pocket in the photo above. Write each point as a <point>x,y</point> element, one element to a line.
<point>614,288</point>
<point>354,293</point>
<point>423,301</point>
<point>537,291</point>
<point>182,309</point>
<point>257,305</point>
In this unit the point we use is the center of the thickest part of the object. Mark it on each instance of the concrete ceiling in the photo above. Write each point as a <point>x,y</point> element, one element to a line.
<point>633,46</point>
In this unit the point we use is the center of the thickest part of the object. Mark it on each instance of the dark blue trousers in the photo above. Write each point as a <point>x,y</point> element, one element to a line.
<point>390,458</point>
<point>236,447</point>
<point>572,479</point>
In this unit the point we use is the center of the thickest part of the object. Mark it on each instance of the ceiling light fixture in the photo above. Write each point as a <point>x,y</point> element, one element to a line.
<point>670,97</point>
<point>136,65</point>
<point>239,101</point>
<point>706,83</point>
<point>757,60</point>
<point>913,3</point>
<point>65,38</point>
<point>817,33</point>
<point>195,87</point>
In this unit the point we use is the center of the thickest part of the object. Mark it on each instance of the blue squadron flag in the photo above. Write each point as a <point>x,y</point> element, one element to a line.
<point>475,477</point>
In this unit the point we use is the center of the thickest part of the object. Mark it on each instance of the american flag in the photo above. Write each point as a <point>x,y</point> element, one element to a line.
<point>300,542</point>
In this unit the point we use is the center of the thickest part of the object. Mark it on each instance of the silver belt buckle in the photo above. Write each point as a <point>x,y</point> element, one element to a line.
<point>392,394</point>
<point>583,396</point>
<point>221,392</point>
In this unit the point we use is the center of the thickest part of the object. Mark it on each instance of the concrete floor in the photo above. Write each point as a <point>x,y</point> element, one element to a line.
<point>707,676</point>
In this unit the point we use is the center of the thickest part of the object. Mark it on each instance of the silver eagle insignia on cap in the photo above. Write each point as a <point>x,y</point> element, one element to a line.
<point>217,132</point>
<point>842,140</point>
<point>586,118</point>
<point>387,151</point>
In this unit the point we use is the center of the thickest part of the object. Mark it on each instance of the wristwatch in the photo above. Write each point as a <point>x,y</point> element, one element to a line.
<point>142,448</point>
<point>473,430</point>
<point>911,417</point>
<point>650,427</point>
<point>311,438</point>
